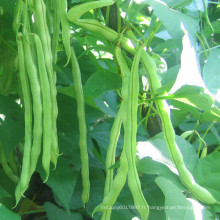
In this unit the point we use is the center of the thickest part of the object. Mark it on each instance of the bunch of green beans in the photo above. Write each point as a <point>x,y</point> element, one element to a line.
<point>129,122</point>
<point>38,83</point>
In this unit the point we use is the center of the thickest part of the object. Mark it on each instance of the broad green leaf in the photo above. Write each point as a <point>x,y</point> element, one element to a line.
<point>173,20</point>
<point>11,123</point>
<point>211,73</point>
<point>176,204</point>
<point>7,188</point>
<point>8,6</point>
<point>102,81</point>
<point>189,73</point>
<point>70,91</point>
<point>149,166</point>
<point>177,4</point>
<point>181,111</point>
<point>107,103</point>
<point>101,134</point>
<point>6,214</point>
<point>197,97</point>
<point>62,181</point>
<point>207,173</point>
<point>157,149</point>
<point>56,213</point>
<point>199,4</point>
<point>3,193</point>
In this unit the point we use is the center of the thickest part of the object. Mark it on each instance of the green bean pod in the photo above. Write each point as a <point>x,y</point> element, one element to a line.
<point>37,105</point>
<point>110,157</point>
<point>114,187</point>
<point>65,28</point>
<point>117,185</point>
<point>25,172</point>
<point>47,107</point>
<point>77,11</point>
<point>131,128</point>
<point>82,127</point>
<point>40,14</point>
<point>186,177</point>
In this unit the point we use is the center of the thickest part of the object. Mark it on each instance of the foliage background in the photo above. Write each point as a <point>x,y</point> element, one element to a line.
<point>187,62</point>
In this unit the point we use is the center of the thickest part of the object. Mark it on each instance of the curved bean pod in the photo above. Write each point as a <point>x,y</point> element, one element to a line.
<point>186,177</point>
<point>77,11</point>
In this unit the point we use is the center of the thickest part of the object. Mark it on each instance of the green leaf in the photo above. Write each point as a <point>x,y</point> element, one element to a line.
<point>11,123</point>
<point>62,181</point>
<point>7,188</point>
<point>189,73</point>
<point>211,74</point>
<point>181,111</point>
<point>197,97</point>
<point>157,149</point>
<point>56,213</point>
<point>207,173</point>
<point>173,20</point>
<point>176,204</point>
<point>149,166</point>
<point>70,91</point>
<point>8,6</point>
<point>102,81</point>
<point>6,214</point>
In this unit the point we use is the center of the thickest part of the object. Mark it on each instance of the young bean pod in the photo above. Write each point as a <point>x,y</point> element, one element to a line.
<point>82,127</point>
<point>114,187</point>
<point>47,106</point>
<point>77,11</point>
<point>37,107</point>
<point>24,178</point>
<point>40,14</point>
<point>131,128</point>
<point>186,177</point>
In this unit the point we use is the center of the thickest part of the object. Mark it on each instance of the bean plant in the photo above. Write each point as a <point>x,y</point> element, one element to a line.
<point>109,109</point>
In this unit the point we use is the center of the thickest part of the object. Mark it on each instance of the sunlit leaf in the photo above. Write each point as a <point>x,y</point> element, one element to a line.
<point>211,73</point>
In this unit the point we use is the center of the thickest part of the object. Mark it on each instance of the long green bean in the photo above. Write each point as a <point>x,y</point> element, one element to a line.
<point>47,105</point>
<point>82,127</point>
<point>28,120</point>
